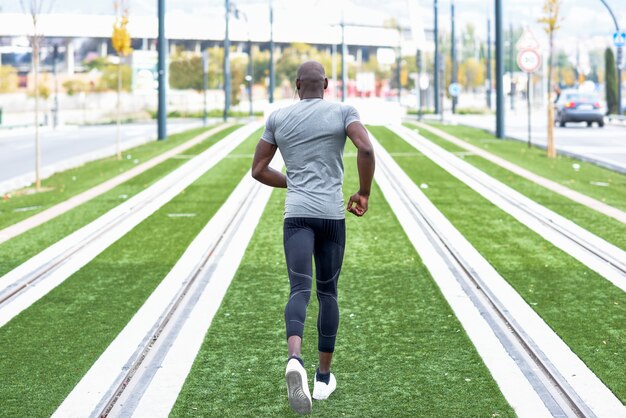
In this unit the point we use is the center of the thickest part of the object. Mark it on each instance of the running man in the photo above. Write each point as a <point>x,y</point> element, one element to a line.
<point>311,136</point>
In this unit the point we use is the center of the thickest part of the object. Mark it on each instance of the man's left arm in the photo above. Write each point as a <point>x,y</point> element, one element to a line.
<point>261,170</point>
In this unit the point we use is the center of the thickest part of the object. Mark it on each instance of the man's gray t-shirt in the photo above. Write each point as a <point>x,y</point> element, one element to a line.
<point>311,136</point>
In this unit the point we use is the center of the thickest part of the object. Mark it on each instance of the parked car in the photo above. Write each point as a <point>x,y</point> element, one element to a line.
<point>577,106</point>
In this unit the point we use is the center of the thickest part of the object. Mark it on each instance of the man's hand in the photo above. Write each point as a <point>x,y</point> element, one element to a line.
<point>358,204</point>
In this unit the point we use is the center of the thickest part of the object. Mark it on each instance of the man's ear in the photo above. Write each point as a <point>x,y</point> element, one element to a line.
<point>298,84</point>
<point>325,83</point>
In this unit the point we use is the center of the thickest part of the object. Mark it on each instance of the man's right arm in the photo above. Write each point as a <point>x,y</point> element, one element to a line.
<point>365,164</point>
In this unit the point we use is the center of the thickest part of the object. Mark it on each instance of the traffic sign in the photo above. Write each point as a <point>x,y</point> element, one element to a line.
<point>619,39</point>
<point>527,40</point>
<point>454,89</point>
<point>528,60</point>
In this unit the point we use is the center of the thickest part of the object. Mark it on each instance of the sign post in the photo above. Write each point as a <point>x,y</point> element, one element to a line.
<point>528,60</point>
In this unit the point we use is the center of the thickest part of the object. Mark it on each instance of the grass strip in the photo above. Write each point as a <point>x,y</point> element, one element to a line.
<point>23,203</point>
<point>608,228</point>
<point>19,249</point>
<point>598,182</point>
<point>46,349</point>
<point>583,308</point>
<point>400,350</point>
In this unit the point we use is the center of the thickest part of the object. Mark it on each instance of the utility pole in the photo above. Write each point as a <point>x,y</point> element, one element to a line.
<point>162,51</point>
<point>499,71</point>
<point>489,83</point>
<point>453,53</point>
<point>272,70</point>
<point>226,62</point>
<point>436,32</point>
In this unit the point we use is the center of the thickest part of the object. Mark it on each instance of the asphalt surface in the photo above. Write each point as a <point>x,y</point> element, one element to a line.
<point>69,147</point>
<point>604,146</point>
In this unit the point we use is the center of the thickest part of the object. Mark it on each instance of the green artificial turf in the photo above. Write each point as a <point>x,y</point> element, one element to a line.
<point>24,246</point>
<point>21,204</point>
<point>583,308</point>
<point>600,183</point>
<point>400,350</point>
<point>45,350</point>
<point>608,228</point>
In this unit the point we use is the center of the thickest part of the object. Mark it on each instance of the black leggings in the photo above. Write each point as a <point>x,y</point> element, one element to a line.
<point>324,240</point>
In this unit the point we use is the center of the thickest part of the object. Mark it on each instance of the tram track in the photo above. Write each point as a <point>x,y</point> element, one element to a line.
<point>536,371</point>
<point>33,279</point>
<point>144,368</point>
<point>596,253</point>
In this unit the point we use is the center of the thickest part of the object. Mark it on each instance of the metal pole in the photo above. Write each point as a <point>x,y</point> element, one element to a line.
<point>489,83</point>
<point>442,72</point>
<point>436,34</point>
<point>453,53</point>
<point>272,70</point>
<point>205,83</point>
<point>511,65</point>
<point>619,70</point>
<point>418,88</point>
<point>250,74</point>
<point>528,99</point>
<point>344,76</point>
<point>162,43</point>
<point>226,63</point>
<point>499,71</point>
<point>398,76</point>
<point>55,114</point>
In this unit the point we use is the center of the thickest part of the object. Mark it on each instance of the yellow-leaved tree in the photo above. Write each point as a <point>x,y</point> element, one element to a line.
<point>121,41</point>
<point>551,20</point>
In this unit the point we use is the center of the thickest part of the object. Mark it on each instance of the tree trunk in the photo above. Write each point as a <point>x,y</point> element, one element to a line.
<point>118,151</point>
<point>551,147</point>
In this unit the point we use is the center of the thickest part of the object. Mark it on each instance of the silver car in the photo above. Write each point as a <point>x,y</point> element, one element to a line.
<point>576,106</point>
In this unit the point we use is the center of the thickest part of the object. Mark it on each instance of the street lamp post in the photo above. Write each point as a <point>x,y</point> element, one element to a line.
<point>162,52</point>
<point>226,62</point>
<point>344,76</point>
<point>619,70</point>
<point>272,70</point>
<point>499,71</point>
<point>453,57</point>
<point>489,83</point>
<point>436,34</point>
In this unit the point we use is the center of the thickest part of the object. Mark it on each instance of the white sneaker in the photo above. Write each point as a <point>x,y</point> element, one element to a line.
<point>298,387</point>
<point>322,390</point>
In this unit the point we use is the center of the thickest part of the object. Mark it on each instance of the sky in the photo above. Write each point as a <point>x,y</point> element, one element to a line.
<point>585,22</point>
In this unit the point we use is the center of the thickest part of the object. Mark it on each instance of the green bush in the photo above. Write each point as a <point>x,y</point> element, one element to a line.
<point>8,79</point>
<point>108,80</point>
<point>75,86</point>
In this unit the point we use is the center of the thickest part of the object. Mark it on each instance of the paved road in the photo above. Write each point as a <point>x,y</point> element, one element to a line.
<point>606,146</point>
<point>68,147</point>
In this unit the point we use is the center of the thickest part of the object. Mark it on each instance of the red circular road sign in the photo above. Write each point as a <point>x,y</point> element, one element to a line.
<point>528,60</point>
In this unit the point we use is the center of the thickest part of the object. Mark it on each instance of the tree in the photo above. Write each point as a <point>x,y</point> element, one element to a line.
<point>122,44</point>
<point>471,74</point>
<point>551,21</point>
<point>34,9</point>
<point>611,81</point>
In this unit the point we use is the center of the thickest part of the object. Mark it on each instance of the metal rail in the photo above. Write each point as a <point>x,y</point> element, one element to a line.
<point>556,393</point>
<point>521,202</point>
<point>184,301</point>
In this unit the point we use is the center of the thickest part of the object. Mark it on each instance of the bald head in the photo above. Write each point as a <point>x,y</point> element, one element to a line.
<point>311,80</point>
